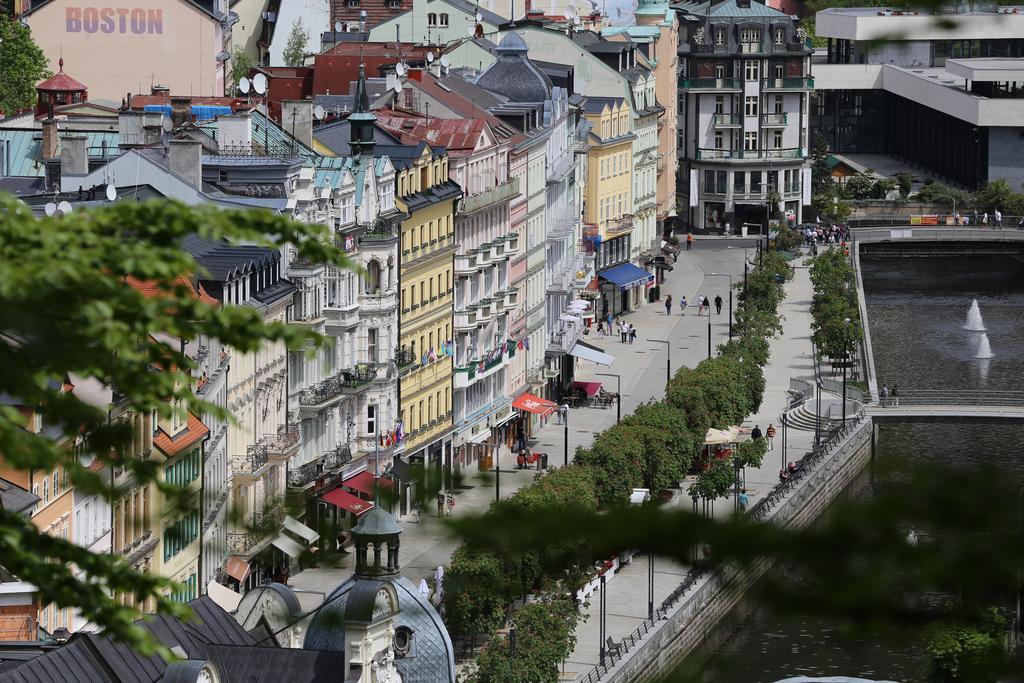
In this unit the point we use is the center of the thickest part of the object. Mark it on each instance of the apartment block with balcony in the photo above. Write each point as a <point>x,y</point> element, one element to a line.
<point>483,296</point>
<point>744,89</point>
<point>261,441</point>
<point>426,196</point>
<point>893,81</point>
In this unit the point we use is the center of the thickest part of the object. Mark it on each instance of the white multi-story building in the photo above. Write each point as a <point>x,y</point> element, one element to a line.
<point>893,81</point>
<point>744,87</point>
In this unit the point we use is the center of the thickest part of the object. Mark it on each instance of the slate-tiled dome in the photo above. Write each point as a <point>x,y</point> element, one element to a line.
<point>513,75</point>
<point>431,657</point>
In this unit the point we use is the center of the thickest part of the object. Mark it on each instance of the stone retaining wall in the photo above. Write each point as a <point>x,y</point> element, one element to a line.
<point>717,594</point>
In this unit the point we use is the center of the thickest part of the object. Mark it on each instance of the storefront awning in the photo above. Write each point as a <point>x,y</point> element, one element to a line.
<point>237,568</point>
<point>592,353</point>
<point>346,501</point>
<point>533,404</point>
<point>287,545</point>
<point>626,276</point>
<point>362,482</point>
<point>301,530</point>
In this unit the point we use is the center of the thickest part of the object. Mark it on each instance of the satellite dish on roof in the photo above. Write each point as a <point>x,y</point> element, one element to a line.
<point>111,193</point>
<point>400,69</point>
<point>259,83</point>
<point>65,208</point>
<point>398,86</point>
<point>445,61</point>
<point>338,27</point>
<point>243,85</point>
<point>50,209</point>
<point>479,17</point>
<point>319,112</point>
<point>167,124</point>
<point>430,57</point>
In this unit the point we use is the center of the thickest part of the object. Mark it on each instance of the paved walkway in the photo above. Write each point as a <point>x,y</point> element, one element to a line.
<point>791,356</point>
<point>427,544</point>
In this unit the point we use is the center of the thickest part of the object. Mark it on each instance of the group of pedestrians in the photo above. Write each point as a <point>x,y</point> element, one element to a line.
<point>626,330</point>
<point>889,397</point>
<point>703,304</point>
<point>825,234</point>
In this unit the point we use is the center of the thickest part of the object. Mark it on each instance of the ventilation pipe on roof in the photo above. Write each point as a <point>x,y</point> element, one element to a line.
<point>362,21</point>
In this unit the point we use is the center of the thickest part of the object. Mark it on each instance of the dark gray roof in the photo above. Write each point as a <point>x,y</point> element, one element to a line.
<point>377,522</point>
<point>595,105</point>
<point>224,261</point>
<point>513,75</point>
<point>336,137</point>
<point>22,185</point>
<point>15,499</point>
<point>432,657</point>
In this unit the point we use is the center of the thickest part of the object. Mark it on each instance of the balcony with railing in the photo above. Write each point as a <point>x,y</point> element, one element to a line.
<point>332,460</point>
<point>405,360</point>
<point>502,192</point>
<point>709,154</point>
<point>618,226</point>
<point>728,120</point>
<point>484,311</point>
<point>341,317</point>
<point>326,391</point>
<point>512,244</point>
<point>465,320</point>
<point>561,340</point>
<point>510,298</point>
<point>498,250</point>
<point>477,369</point>
<point>791,83</point>
<point>483,255</point>
<point>465,264</point>
<point>264,526</point>
<point>710,84</point>
<point>560,166</point>
<point>284,442</point>
<point>380,302</point>
<point>255,459</point>
<point>774,120</point>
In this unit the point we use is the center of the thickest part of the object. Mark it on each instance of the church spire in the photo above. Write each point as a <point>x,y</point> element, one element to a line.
<point>361,121</point>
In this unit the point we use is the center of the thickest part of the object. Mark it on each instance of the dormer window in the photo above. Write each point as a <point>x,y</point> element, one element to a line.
<point>780,36</point>
<point>719,36</point>
<point>394,4</point>
<point>750,35</point>
<point>352,3</point>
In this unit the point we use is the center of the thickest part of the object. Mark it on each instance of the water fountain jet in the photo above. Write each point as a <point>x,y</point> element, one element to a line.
<point>984,350</point>
<point>974,321</point>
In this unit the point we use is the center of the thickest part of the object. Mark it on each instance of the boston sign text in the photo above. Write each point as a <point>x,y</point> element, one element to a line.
<point>114,20</point>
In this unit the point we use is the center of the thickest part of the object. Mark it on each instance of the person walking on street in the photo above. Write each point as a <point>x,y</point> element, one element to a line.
<point>682,299</point>
<point>622,331</point>
<point>999,219</point>
<point>770,435</point>
<point>984,219</point>
<point>743,500</point>
<point>668,305</point>
<point>700,304</point>
<point>632,333</point>
<point>718,304</point>
<point>689,241</point>
<point>440,505</point>
<point>611,323</point>
<point>755,433</point>
<point>883,395</point>
<point>600,329</point>
<point>895,396</point>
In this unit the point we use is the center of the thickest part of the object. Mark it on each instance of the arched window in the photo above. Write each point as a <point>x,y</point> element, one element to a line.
<point>432,20</point>
<point>373,277</point>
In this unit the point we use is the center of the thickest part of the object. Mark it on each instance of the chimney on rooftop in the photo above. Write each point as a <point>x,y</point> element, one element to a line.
<point>50,139</point>
<point>74,156</point>
<point>130,128</point>
<point>181,111</point>
<point>297,119</point>
<point>186,160</point>
<point>234,132</point>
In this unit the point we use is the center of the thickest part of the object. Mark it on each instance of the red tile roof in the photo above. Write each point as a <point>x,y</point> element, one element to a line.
<point>150,290</point>
<point>60,81</point>
<point>193,432</point>
<point>455,135</point>
<point>339,66</point>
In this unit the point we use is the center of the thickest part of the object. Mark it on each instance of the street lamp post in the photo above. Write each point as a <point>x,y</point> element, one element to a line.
<point>650,585</point>
<point>668,359</point>
<point>709,332</point>
<point>817,416</point>
<point>602,619</point>
<point>618,393</point>
<point>737,463</point>
<point>784,422</point>
<point>565,423</point>
<point>846,358</point>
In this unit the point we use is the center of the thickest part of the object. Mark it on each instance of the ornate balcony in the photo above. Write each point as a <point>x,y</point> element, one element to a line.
<point>710,84</point>
<point>256,458</point>
<point>342,317</point>
<point>619,226</point>
<point>483,255</point>
<point>309,472</point>
<point>501,192</point>
<point>465,320</point>
<point>773,120</point>
<point>797,83</point>
<point>331,388</point>
<point>405,359</point>
<point>286,439</point>
<point>465,264</point>
<point>561,166</point>
<point>706,154</point>
<point>511,298</point>
<point>728,120</point>
<point>512,244</point>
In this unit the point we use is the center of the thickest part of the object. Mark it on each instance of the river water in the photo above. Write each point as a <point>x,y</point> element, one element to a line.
<point>916,309</point>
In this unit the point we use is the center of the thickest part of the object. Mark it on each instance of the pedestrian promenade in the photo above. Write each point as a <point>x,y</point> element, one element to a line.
<point>791,356</point>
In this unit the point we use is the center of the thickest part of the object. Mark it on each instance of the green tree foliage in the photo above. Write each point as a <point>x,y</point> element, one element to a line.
<point>295,49</point>
<point>969,652</point>
<point>475,592</point>
<point>544,637</point>
<point>821,174</point>
<point>751,453</point>
<point>834,302</point>
<point>22,66</point>
<point>998,194</point>
<point>906,183</point>
<point>937,193</point>
<point>714,482</point>
<point>617,457</point>
<point>859,186</point>
<point>241,63</point>
<point>787,239</point>
<point>65,310</point>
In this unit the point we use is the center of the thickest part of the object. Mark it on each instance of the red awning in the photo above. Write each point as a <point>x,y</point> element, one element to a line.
<point>532,404</point>
<point>237,568</point>
<point>589,388</point>
<point>362,482</point>
<point>346,501</point>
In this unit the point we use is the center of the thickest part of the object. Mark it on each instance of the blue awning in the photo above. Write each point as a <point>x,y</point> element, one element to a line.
<point>626,276</point>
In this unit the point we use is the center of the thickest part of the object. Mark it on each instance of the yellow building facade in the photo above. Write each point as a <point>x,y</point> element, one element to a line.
<point>609,188</point>
<point>426,280</point>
